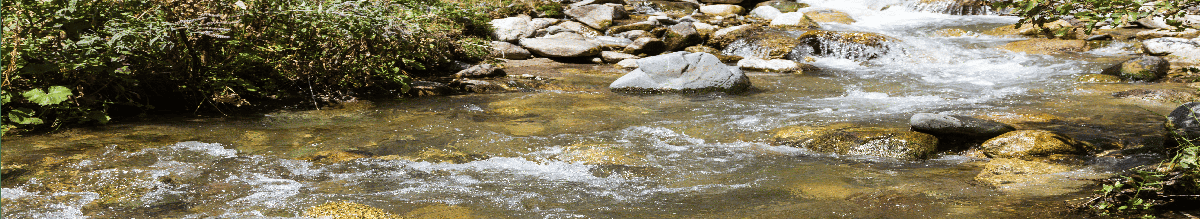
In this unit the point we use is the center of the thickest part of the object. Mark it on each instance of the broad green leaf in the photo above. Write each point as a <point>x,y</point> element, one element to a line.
<point>23,116</point>
<point>57,95</point>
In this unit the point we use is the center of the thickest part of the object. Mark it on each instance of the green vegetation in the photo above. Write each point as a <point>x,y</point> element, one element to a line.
<point>1096,13</point>
<point>80,61</point>
<point>1171,185</point>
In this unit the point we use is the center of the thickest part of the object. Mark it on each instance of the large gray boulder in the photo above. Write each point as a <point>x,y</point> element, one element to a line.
<point>508,51</point>
<point>954,125</point>
<point>682,72</point>
<point>597,16</point>
<point>1185,120</point>
<point>511,29</point>
<point>561,47</point>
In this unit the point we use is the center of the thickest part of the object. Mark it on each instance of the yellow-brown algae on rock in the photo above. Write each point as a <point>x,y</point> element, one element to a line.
<point>1029,144</point>
<point>848,139</point>
<point>831,16</point>
<point>440,211</point>
<point>347,210</point>
<point>334,156</point>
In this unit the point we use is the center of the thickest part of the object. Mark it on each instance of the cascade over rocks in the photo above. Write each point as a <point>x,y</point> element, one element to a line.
<point>682,72</point>
<point>847,139</point>
<point>1031,144</point>
<point>955,125</point>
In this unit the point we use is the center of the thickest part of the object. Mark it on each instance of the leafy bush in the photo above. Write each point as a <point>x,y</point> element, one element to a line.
<point>100,57</point>
<point>1096,13</point>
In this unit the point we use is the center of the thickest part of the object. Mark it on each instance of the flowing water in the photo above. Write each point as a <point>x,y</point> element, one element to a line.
<point>572,149</point>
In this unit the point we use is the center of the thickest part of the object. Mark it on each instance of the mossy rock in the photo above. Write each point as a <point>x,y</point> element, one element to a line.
<point>347,210</point>
<point>826,15</point>
<point>848,139</point>
<point>1098,78</point>
<point>1033,144</point>
<point>1047,46</point>
<point>1144,68</point>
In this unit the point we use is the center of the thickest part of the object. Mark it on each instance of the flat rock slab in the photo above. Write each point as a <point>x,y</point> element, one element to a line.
<point>561,48</point>
<point>682,72</point>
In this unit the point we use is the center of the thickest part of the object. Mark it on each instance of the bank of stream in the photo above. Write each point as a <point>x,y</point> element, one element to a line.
<point>565,146</point>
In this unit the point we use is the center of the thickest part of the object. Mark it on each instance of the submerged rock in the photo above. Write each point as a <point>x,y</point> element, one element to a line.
<point>1144,68</point>
<point>1098,78</point>
<point>954,125</point>
<point>346,209</point>
<point>682,72</point>
<point>560,48</point>
<point>1030,144</point>
<point>1047,46</point>
<point>1004,173</point>
<point>849,139</point>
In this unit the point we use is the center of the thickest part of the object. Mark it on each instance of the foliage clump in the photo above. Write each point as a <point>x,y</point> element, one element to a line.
<point>1171,185</point>
<point>79,61</point>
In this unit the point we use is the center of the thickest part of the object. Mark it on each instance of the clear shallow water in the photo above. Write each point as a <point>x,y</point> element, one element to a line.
<point>577,150</point>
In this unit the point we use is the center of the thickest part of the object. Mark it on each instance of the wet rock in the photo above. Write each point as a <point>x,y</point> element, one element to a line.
<point>1154,34</point>
<point>681,35</point>
<point>1047,46</point>
<point>774,65</point>
<point>1158,95</point>
<point>1145,68</point>
<point>710,50</point>
<point>478,86</point>
<point>481,71</point>
<point>725,36</point>
<point>601,155</point>
<point>347,210</point>
<point>646,46</point>
<point>954,125</point>
<point>844,44</point>
<point>632,35</point>
<point>1098,78</point>
<point>611,43</point>
<point>1031,144</point>
<point>597,16</point>
<point>511,29</point>
<point>1172,46</point>
<point>682,72</point>
<point>644,26</point>
<point>784,6</point>
<point>335,156</point>
<point>614,57</point>
<point>1185,121</point>
<point>1001,172</point>
<point>722,10</point>
<point>827,15</point>
<point>849,139</point>
<point>579,28</point>
<point>429,88</point>
<point>560,48</point>
<point>794,20</point>
<point>507,50</point>
<point>628,64</point>
<point>766,45</point>
<point>765,12</point>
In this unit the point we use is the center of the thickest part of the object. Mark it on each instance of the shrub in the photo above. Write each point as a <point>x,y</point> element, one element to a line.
<point>1096,13</point>
<point>93,58</point>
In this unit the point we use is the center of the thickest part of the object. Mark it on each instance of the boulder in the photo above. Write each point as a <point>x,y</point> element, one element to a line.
<point>595,2</point>
<point>725,36</point>
<point>774,65</point>
<point>1098,78</point>
<point>560,48</point>
<point>646,46</point>
<point>628,63</point>
<point>481,71</point>
<point>541,23</point>
<point>579,28</point>
<point>1185,121</point>
<point>1047,46</point>
<point>765,12</point>
<point>829,16</point>
<point>1144,68</point>
<point>847,139</point>
<point>954,125</point>
<point>611,43</point>
<point>507,50</point>
<point>682,72</point>
<point>1154,34</point>
<point>644,26</point>
<point>478,86</point>
<point>722,10</point>
<point>681,35</point>
<point>1172,46</point>
<point>615,57</point>
<point>710,50</point>
<point>511,29</point>
<point>704,29</point>
<point>597,16</point>
<point>1030,144</point>
<point>794,20</point>
<point>677,8</point>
